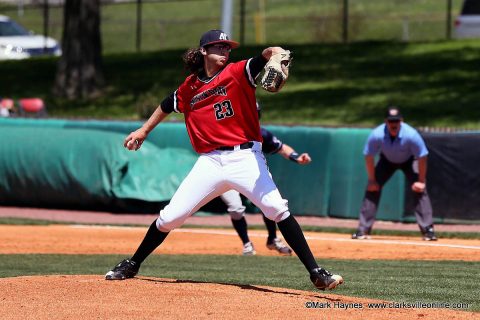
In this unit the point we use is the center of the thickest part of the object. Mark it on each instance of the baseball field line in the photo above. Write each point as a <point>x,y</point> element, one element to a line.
<point>393,242</point>
<point>308,237</point>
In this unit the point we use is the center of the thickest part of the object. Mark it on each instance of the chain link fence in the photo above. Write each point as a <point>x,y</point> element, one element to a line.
<point>147,25</point>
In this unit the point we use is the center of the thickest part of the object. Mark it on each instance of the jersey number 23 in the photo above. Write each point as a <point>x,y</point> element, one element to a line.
<point>223,109</point>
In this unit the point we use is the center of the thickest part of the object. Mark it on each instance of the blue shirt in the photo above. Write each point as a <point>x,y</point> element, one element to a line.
<point>407,143</point>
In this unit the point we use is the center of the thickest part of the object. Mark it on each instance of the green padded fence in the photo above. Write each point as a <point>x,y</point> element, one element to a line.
<point>306,187</point>
<point>348,178</point>
<point>332,185</point>
<point>82,168</point>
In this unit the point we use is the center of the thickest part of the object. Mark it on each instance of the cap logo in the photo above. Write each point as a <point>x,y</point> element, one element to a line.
<point>216,36</point>
<point>223,36</point>
<point>394,112</point>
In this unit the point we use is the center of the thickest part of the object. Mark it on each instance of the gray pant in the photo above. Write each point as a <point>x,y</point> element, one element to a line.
<point>384,170</point>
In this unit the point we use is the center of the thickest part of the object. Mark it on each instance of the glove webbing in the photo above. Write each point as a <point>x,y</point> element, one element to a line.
<point>273,77</point>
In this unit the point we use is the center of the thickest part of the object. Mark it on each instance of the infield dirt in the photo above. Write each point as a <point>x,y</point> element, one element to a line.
<point>82,296</point>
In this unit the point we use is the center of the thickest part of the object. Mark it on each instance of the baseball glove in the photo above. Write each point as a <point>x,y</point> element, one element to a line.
<point>276,71</point>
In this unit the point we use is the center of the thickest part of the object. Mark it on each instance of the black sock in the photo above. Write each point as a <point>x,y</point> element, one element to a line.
<point>241,228</point>
<point>292,233</point>
<point>271,228</point>
<point>152,240</point>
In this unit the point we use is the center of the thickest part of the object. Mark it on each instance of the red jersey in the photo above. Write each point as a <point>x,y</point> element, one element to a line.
<point>219,111</point>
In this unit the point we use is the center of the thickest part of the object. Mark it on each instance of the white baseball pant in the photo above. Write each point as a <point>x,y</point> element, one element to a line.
<point>216,172</point>
<point>235,207</point>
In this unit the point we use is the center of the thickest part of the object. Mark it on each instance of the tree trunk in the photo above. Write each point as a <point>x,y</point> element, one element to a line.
<point>79,70</point>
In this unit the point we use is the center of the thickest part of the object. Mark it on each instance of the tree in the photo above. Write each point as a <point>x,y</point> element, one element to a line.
<point>79,70</point>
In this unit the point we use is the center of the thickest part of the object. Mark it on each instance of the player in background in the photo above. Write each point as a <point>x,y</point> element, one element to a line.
<point>219,105</point>
<point>271,145</point>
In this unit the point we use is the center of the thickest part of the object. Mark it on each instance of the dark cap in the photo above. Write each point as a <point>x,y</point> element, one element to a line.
<point>393,113</point>
<point>217,36</point>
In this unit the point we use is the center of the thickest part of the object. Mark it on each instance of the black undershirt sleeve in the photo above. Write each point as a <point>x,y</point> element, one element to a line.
<point>256,65</point>
<point>168,103</point>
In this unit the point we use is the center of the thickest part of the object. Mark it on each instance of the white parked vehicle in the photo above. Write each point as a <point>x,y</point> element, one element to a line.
<point>18,43</point>
<point>467,24</point>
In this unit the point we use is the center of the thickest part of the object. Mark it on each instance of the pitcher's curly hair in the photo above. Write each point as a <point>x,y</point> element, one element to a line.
<point>193,60</point>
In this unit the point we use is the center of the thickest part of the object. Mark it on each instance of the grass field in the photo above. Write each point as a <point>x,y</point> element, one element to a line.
<point>435,84</point>
<point>169,24</point>
<point>399,281</point>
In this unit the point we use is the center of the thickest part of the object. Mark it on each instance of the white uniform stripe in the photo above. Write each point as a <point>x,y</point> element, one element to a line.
<point>247,70</point>
<point>175,105</point>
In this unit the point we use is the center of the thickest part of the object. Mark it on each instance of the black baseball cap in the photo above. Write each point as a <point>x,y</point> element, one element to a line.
<point>393,114</point>
<point>217,36</point>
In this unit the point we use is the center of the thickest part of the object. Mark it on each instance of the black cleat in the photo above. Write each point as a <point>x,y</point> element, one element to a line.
<point>322,279</point>
<point>429,234</point>
<point>124,270</point>
<point>360,235</point>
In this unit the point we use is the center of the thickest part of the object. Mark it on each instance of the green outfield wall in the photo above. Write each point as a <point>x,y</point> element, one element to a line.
<point>83,164</point>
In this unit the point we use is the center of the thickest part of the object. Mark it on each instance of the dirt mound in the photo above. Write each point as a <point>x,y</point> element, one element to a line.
<point>91,297</point>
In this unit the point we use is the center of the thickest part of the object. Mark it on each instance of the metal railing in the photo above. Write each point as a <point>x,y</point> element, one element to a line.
<point>146,25</point>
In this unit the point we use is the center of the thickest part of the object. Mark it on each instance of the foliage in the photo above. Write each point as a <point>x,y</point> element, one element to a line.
<point>435,84</point>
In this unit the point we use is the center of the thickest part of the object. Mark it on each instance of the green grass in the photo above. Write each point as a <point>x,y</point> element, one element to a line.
<point>435,84</point>
<point>26,222</point>
<point>409,281</point>
<point>12,221</point>
<point>177,24</point>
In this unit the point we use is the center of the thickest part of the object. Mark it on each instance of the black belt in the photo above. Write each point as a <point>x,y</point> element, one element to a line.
<point>246,145</point>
